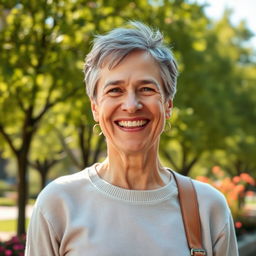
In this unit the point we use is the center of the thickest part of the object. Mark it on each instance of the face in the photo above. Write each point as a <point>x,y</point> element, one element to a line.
<point>130,105</point>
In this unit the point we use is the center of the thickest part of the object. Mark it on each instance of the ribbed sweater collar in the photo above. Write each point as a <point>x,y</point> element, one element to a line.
<point>132,196</point>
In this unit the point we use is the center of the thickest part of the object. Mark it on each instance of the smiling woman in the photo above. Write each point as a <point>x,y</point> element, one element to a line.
<point>128,204</point>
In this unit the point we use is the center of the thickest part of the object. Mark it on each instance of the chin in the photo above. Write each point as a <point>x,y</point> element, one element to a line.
<point>134,148</point>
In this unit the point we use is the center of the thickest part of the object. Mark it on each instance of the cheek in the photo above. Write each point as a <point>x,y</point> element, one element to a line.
<point>157,107</point>
<point>107,107</point>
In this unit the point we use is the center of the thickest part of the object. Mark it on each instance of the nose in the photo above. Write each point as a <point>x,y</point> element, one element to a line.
<point>131,103</point>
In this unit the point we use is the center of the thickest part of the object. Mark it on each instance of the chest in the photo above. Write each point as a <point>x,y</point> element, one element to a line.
<point>125,230</point>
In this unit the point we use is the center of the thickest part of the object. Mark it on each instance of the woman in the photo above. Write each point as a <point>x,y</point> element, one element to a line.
<point>128,204</point>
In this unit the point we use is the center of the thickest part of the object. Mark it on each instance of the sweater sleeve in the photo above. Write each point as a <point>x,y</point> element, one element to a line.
<point>226,244</point>
<point>41,237</point>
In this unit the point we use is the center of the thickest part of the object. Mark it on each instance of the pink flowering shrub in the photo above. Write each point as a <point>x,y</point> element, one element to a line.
<point>14,247</point>
<point>235,189</point>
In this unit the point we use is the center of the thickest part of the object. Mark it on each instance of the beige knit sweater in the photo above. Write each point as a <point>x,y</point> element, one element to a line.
<point>81,214</point>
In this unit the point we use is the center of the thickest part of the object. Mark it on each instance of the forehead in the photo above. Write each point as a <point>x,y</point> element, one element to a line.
<point>136,65</point>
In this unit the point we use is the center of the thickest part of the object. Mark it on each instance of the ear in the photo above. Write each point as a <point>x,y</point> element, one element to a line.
<point>168,108</point>
<point>94,107</point>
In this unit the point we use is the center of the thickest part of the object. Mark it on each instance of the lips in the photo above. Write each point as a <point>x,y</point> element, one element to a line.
<point>131,124</point>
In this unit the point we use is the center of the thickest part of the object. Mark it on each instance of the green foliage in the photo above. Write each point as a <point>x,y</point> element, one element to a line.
<point>211,99</point>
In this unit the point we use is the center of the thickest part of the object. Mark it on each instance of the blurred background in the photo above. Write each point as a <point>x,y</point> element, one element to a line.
<point>45,118</point>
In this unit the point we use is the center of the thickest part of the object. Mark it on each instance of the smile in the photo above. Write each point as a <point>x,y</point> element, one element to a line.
<point>132,124</point>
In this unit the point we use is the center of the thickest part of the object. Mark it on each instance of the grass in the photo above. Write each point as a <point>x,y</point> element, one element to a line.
<point>5,201</point>
<point>10,225</point>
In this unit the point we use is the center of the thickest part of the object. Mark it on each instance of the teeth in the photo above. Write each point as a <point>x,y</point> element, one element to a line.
<point>132,123</point>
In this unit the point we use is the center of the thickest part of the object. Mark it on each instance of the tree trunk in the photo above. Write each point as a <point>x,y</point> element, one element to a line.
<point>22,156</point>
<point>43,174</point>
<point>22,193</point>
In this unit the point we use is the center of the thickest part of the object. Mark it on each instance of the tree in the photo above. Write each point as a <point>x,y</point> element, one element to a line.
<point>211,80</point>
<point>239,146</point>
<point>239,153</point>
<point>32,63</point>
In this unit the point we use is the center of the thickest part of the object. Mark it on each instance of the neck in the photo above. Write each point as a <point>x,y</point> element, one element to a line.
<point>133,171</point>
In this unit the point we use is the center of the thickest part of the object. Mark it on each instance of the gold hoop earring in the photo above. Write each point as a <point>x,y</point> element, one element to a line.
<point>97,130</point>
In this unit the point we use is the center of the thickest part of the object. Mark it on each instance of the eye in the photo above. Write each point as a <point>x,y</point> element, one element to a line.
<point>114,91</point>
<point>147,89</point>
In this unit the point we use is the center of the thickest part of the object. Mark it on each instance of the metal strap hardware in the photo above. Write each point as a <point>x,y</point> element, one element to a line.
<point>197,252</point>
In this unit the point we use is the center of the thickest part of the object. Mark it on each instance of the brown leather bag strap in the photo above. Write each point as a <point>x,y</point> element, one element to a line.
<point>190,214</point>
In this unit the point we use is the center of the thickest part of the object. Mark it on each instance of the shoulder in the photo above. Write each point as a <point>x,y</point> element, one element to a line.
<point>209,194</point>
<point>59,202</point>
<point>214,210</point>
<point>216,218</point>
<point>210,200</point>
<point>63,190</point>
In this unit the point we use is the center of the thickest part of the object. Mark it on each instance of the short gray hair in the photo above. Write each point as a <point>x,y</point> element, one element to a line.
<point>118,43</point>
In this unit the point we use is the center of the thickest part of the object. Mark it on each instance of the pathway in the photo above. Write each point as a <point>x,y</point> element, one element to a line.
<point>11,212</point>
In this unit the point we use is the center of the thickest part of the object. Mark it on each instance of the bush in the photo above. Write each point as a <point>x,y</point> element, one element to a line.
<point>236,189</point>
<point>14,247</point>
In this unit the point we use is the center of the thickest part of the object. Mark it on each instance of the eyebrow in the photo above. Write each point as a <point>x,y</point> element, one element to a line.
<point>148,81</point>
<point>139,82</point>
<point>113,82</point>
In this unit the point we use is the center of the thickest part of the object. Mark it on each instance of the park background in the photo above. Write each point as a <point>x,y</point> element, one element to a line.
<point>46,126</point>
